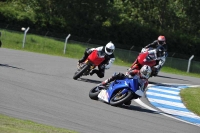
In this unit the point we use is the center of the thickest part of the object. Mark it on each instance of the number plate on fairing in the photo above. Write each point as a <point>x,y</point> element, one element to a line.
<point>103,95</point>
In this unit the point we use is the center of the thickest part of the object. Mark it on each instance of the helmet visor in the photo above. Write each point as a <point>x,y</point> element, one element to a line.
<point>146,74</point>
<point>161,42</point>
<point>109,50</point>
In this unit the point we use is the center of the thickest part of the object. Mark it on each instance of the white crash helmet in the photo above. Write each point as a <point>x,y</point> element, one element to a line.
<point>145,71</point>
<point>109,49</point>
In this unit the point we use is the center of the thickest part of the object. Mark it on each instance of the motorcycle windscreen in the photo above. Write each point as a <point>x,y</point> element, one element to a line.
<point>95,59</point>
<point>142,59</point>
<point>134,84</point>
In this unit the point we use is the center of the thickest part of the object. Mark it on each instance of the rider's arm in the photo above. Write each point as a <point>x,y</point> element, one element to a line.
<point>134,72</point>
<point>110,62</point>
<point>89,51</point>
<point>99,48</point>
<point>153,44</point>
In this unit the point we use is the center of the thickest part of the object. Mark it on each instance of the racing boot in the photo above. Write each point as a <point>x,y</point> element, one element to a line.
<point>107,81</point>
<point>80,62</point>
<point>83,58</point>
<point>93,71</point>
<point>114,77</point>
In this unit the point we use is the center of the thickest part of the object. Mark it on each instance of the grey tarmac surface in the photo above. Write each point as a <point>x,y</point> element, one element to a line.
<point>40,88</point>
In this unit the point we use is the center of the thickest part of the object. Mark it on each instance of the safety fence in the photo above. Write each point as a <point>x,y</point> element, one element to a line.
<point>128,56</point>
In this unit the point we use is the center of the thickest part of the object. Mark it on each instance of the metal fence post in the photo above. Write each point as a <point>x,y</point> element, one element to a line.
<point>189,62</point>
<point>25,31</point>
<point>66,43</point>
<point>130,52</point>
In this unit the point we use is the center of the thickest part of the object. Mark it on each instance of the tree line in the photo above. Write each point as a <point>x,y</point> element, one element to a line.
<point>125,22</point>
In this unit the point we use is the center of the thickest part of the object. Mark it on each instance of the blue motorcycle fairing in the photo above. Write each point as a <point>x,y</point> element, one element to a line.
<point>126,84</point>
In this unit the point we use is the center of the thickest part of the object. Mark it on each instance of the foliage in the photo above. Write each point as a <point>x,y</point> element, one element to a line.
<point>125,22</point>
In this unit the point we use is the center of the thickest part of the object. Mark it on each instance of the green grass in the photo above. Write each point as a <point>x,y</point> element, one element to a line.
<point>55,46</point>
<point>178,72</point>
<point>39,44</point>
<point>191,99</point>
<point>13,125</point>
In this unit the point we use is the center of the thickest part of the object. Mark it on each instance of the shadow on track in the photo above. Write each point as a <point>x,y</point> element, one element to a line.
<point>89,80</point>
<point>137,108</point>
<point>6,65</point>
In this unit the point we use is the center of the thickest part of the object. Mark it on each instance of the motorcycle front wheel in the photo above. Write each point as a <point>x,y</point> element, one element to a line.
<point>79,73</point>
<point>118,98</point>
<point>94,92</point>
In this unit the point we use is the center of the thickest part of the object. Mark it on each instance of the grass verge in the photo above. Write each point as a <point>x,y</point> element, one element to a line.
<point>191,99</point>
<point>13,125</point>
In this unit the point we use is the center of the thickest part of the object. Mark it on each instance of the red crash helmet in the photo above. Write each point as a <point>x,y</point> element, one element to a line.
<point>161,40</point>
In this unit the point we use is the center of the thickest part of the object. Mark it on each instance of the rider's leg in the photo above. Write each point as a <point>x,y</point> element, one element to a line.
<point>100,73</point>
<point>158,66</point>
<point>114,77</point>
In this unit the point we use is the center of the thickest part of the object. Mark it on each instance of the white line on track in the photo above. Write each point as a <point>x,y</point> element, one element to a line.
<point>152,109</point>
<point>167,91</point>
<point>180,113</point>
<point>168,102</point>
<point>163,95</point>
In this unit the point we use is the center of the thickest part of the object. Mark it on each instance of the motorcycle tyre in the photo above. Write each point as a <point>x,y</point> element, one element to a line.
<point>124,99</point>
<point>80,73</point>
<point>93,94</point>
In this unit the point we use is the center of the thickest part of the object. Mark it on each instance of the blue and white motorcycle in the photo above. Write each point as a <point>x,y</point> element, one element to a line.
<point>118,92</point>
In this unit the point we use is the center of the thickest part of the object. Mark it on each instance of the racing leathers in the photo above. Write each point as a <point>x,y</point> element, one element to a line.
<point>106,64</point>
<point>160,60</point>
<point>132,73</point>
<point>156,44</point>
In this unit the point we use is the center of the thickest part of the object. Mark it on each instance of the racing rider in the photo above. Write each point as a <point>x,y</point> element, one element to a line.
<point>161,47</point>
<point>107,51</point>
<point>142,75</point>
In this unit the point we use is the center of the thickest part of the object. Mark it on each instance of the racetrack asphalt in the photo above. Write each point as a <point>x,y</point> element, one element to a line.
<point>40,88</point>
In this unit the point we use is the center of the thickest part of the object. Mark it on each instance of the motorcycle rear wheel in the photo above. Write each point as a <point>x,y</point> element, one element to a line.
<point>118,99</point>
<point>80,72</point>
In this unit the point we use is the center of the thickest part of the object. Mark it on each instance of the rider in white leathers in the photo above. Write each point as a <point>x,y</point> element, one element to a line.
<point>106,51</point>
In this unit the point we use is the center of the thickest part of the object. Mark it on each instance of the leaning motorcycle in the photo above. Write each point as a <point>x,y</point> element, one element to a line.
<point>146,57</point>
<point>117,92</point>
<point>93,60</point>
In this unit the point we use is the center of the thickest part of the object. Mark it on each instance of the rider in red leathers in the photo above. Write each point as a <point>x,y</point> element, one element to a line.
<point>160,42</point>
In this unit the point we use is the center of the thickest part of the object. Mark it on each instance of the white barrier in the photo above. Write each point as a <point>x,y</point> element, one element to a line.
<point>66,43</point>
<point>25,32</point>
<point>189,62</point>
